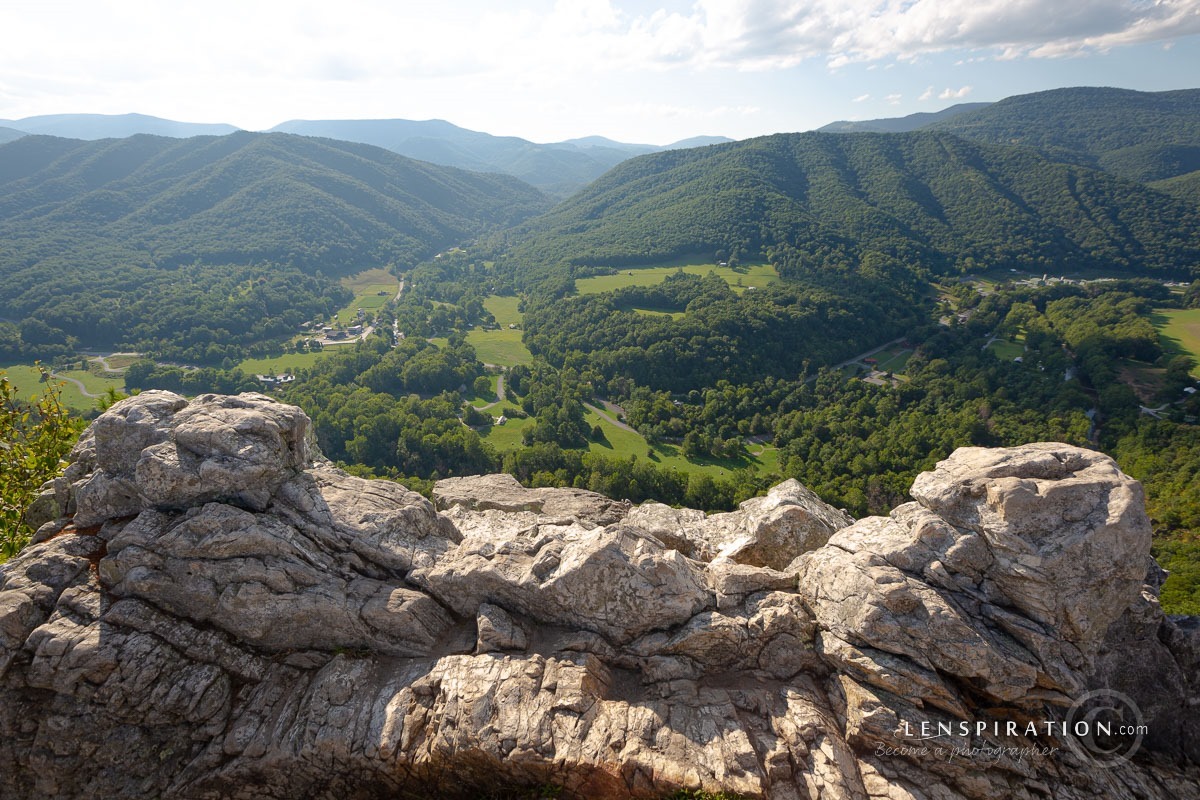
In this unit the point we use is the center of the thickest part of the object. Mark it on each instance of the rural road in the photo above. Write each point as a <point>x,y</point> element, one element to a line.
<point>76,382</point>
<point>860,356</point>
<point>500,395</point>
<point>613,420</point>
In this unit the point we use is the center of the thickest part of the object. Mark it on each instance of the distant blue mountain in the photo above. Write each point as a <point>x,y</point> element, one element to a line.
<point>557,168</point>
<point>113,126</point>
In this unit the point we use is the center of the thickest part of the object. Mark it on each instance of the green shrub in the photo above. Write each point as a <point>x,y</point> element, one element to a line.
<point>35,436</point>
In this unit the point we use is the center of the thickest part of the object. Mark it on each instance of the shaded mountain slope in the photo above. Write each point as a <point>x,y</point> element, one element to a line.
<point>1139,135</point>
<point>933,201</point>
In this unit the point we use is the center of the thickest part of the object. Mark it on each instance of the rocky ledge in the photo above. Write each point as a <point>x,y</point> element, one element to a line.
<point>211,611</point>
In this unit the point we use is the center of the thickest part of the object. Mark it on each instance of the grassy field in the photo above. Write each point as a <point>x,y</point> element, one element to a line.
<point>1006,350</point>
<point>27,381</point>
<point>504,309</point>
<point>480,402</point>
<point>502,347</point>
<point>757,275</point>
<point>623,443</point>
<point>367,286</point>
<point>653,312</point>
<point>507,436</point>
<point>1179,330</point>
<point>277,365</point>
<point>893,359</point>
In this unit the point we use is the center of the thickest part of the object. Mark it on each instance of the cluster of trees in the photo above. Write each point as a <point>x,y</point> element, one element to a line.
<point>548,464</point>
<point>783,329</point>
<point>33,339</point>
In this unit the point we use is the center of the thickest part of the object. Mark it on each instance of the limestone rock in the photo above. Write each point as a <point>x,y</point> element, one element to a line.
<point>771,531</point>
<point>217,612</point>
<point>504,493</point>
<point>1052,516</point>
<point>616,581</point>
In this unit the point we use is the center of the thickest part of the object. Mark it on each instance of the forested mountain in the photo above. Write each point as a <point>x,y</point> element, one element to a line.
<point>113,126</point>
<point>558,168</point>
<point>134,240</point>
<point>8,134</point>
<point>904,124</point>
<point>1143,136</point>
<point>814,201</point>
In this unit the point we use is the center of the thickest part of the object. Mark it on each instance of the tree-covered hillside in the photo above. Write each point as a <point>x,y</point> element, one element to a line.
<point>934,202</point>
<point>1143,136</point>
<point>133,241</point>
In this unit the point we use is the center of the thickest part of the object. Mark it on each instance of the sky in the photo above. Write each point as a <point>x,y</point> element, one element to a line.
<point>549,70</point>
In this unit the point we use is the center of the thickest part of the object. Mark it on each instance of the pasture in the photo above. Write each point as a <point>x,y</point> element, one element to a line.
<point>741,278</point>
<point>1179,330</point>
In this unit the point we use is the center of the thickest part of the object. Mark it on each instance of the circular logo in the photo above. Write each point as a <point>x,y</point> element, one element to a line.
<point>1105,727</point>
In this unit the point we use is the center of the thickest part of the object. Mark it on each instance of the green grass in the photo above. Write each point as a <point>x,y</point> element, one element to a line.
<point>623,443</point>
<point>1006,350</point>
<point>1179,330</point>
<point>507,436</point>
<point>27,381</point>
<point>480,402</point>
<point>757,275</point>
<point>278,365</point>
<point>504,309</point>
<point>96,384</point>
<point>367,286</point>
<point>502,347</point>
<point>653,312</point>
<point>893,359</point>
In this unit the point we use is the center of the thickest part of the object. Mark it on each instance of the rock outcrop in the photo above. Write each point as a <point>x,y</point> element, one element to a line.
<point>209,611</point>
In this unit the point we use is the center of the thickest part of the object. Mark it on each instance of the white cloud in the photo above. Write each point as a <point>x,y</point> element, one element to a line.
<point>894,99</point>
<point>954,94</point>
<point>531,63</point>
<point>861,98</point>
<point>761,34</point>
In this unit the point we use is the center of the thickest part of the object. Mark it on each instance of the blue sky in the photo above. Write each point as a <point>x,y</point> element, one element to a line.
<point>544,70</point>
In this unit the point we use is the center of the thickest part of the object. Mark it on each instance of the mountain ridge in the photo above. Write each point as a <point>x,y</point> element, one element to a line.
<point>909,122</point>
<point>558,168</point>
<point>926,198</point>
<point>97,233</point>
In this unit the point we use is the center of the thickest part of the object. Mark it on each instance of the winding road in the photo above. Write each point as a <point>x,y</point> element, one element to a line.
<point>78,384</point>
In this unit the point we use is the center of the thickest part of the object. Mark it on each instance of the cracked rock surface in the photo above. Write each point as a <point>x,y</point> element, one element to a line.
<point>209,610</point>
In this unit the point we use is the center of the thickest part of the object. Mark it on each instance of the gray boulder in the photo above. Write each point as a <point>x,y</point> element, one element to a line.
<point>216,612</point>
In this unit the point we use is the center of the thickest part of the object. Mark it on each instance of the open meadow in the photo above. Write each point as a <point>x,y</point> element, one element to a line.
<point>740,278</point>
<point>1179,329</point>
<point>372,289</point>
